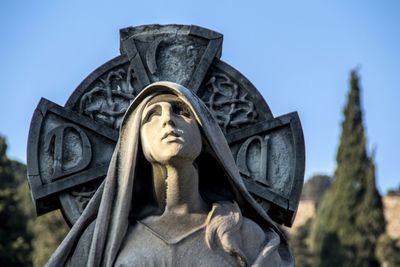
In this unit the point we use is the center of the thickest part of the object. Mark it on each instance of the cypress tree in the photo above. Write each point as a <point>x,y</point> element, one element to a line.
<point>350,218</point>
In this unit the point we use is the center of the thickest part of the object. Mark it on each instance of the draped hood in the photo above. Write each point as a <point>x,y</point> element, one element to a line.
<point>125,194</point>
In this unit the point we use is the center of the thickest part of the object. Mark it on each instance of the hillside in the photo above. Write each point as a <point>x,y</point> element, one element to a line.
<point>391,206</point>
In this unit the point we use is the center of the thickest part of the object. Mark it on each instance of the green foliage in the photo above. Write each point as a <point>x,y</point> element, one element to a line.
<point>350,217</point>
<point>15,237</point>
<point>49,229</point>
<point>388,251</point>
<point>24,240</point>
<point>315,187</point>
<point>298,243</point>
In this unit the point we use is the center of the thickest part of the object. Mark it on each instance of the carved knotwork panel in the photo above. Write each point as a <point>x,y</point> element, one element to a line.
<point>231,99</point>
<point>107,98</point>
<point>229,104</point>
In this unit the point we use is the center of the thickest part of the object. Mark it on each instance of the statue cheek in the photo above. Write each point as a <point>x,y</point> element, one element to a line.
<point>146,142</point>
<point>194,141</point>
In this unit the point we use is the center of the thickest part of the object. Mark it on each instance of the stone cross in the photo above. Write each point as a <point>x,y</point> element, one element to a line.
<point>70,147</point>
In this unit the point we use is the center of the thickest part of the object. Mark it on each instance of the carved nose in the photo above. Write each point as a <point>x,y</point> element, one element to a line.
<point>169,122</point>
<point>168,117</point>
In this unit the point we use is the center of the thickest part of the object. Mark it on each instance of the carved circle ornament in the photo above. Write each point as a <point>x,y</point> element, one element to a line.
<point>70,147</point>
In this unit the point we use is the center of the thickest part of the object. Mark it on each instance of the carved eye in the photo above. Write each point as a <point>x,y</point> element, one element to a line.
<point>154,111</point>
<point>180,108</point>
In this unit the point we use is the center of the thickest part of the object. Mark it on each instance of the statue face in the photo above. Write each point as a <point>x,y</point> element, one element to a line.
<point>169,132</point>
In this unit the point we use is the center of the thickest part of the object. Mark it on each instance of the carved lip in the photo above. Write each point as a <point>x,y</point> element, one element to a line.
<point>170,133</point>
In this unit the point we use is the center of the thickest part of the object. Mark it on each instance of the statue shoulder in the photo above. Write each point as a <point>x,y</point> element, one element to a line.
<point>264,246</point>
<point>228,215</point>
<point>244,238</point>
<point>252,231</point>
<point>253,238</point>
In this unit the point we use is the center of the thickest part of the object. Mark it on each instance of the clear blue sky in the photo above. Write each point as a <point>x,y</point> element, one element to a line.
<point>297,53</point>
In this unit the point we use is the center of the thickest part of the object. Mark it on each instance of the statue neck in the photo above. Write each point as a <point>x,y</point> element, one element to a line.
<point>182,194</point>
<point>183,205</point>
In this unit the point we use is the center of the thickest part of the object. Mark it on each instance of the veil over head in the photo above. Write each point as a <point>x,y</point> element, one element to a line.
<point>126,194</point>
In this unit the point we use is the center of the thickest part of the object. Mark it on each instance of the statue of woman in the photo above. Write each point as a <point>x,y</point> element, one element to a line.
<point>173,196</point>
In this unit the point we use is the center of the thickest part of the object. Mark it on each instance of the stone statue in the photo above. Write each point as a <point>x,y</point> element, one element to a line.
<point>173,196</point>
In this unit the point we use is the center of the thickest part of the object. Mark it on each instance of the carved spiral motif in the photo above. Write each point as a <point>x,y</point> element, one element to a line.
<point>109,98</point>
<point>228,104</point>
